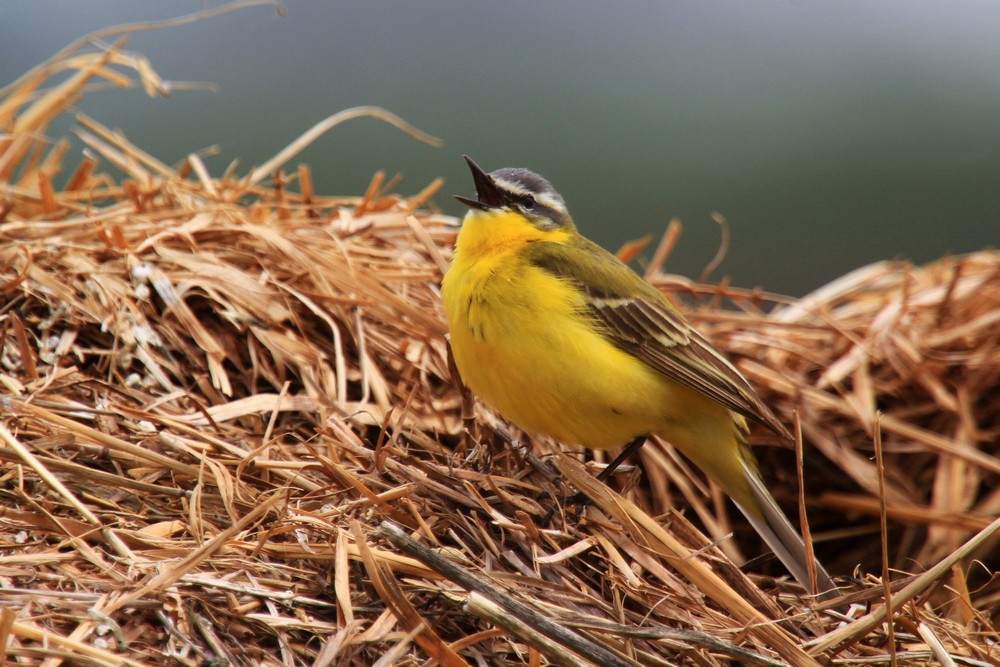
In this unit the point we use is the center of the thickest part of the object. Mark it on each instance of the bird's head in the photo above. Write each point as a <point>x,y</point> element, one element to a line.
<point>518,191</point>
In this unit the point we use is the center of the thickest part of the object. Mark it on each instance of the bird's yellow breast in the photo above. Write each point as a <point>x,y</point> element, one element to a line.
<point>523,343</point>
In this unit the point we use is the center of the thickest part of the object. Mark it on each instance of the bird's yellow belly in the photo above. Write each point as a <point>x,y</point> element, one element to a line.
<point>523,347</point>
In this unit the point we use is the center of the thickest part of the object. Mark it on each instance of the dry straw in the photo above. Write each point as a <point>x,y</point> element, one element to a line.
<point>230,432</point>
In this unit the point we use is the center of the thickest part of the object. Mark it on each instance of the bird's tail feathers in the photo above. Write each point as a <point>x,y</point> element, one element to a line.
<point>779,534</point>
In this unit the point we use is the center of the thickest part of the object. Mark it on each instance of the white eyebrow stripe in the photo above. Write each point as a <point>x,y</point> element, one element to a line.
<point>512,186</point>
<point>556,203</point>
<point>547,199</point>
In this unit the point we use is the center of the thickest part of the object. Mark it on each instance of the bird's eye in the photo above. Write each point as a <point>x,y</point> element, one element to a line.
<point>527,201</point>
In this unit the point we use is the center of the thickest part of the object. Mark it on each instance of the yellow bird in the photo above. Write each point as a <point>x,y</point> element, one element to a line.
<point>564,340</point>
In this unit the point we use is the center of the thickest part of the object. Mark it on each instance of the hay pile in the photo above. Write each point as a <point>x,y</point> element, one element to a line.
<point>230,433</point>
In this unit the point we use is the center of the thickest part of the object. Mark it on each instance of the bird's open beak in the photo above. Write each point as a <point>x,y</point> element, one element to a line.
<point>487,194</point>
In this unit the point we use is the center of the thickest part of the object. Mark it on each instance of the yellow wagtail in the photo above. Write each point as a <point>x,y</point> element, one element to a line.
<point>563,339</point>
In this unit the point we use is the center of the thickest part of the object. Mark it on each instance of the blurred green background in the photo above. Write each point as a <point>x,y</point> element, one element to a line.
<point>828,134</point>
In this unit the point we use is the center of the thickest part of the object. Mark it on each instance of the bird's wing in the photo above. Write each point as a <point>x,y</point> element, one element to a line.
<point>637,318</point>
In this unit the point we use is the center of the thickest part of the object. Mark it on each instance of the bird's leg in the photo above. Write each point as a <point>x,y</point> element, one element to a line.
<point>631,449</point>
<point>580,500</point>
